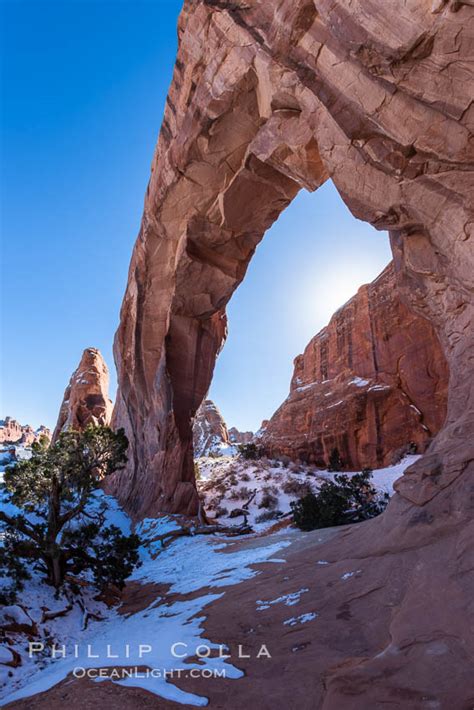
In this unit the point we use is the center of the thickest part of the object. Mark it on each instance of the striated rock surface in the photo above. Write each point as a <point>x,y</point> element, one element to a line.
<point>12,432</point>
<point>372,382</point>
<point>265,101</point>
<point>268,98</point>
<point>240,437</point>
<point>86,398</point>
<point>210,434</point>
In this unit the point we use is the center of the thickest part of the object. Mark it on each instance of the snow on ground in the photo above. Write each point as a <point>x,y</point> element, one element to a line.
<point>287,599</point>
<point>214,446</point>
<point>12,453</point>
<point>5,457</point>
<point>200,565</point>
<point>190,564</point>
<point>227,483</point>
<point>147,638</point>
<point>301,619</point>
<point>36,601</point>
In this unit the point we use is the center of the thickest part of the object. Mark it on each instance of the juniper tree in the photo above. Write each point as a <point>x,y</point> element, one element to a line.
<point>249,451</point>
<point>347,499</point>
<point>56,529</point>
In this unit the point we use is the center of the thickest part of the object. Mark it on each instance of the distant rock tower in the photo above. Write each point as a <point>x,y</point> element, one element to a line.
<point>210,435</point>
<point>86,398</point>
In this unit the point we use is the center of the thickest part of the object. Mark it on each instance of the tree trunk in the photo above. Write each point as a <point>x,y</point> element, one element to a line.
<point>55,563</point>
<point>53,555</point>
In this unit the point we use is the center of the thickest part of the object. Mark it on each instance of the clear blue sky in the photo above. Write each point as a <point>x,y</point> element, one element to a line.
<point>83,90</point>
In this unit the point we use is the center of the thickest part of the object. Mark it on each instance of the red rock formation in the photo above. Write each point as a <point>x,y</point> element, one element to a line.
<point>263,103</point>
<point>268,98</point>
<point>86,398</point>
<point>240,437</point>
<point>371,382</point>
<point>12,432</point>
<point>210,435</point>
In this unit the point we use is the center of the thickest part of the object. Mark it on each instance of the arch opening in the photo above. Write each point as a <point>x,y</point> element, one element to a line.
<point>322,354</point>
<point>310,263</point>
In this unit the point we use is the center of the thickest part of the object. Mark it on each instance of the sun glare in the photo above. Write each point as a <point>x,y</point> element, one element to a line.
<point>334,289</point>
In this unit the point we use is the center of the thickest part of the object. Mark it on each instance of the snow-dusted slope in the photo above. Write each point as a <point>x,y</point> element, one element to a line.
<point>146,638</point>
<point>227,483</point>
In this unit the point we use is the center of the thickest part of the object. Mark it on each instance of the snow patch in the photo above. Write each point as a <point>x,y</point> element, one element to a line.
<point>287,599</point>
<point>348,575</point>
<point>301,619</point>
<point>359,382</point>
<point>189,564</point>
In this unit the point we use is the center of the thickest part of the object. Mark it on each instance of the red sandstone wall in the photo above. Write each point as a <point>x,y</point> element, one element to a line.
<point>372,381</point>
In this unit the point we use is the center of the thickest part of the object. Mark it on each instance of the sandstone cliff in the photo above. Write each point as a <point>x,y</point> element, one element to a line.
<point>210,434</point>
<point>12,432</point>
<point>86,399</point>
<point>370,383</point>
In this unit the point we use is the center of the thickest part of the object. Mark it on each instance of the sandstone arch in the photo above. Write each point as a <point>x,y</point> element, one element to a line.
<point>266,99</point>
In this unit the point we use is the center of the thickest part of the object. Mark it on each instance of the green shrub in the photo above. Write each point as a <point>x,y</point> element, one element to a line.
<point>249,451</point>
<point>339,502</point>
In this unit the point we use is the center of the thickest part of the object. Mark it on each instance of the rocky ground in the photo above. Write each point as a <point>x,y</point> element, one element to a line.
<point>268,589</point>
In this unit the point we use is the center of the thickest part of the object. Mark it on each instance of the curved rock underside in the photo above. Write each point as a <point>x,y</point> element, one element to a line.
<point>373,384</point>
<point>268,98</point>
<point>86,398</point>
